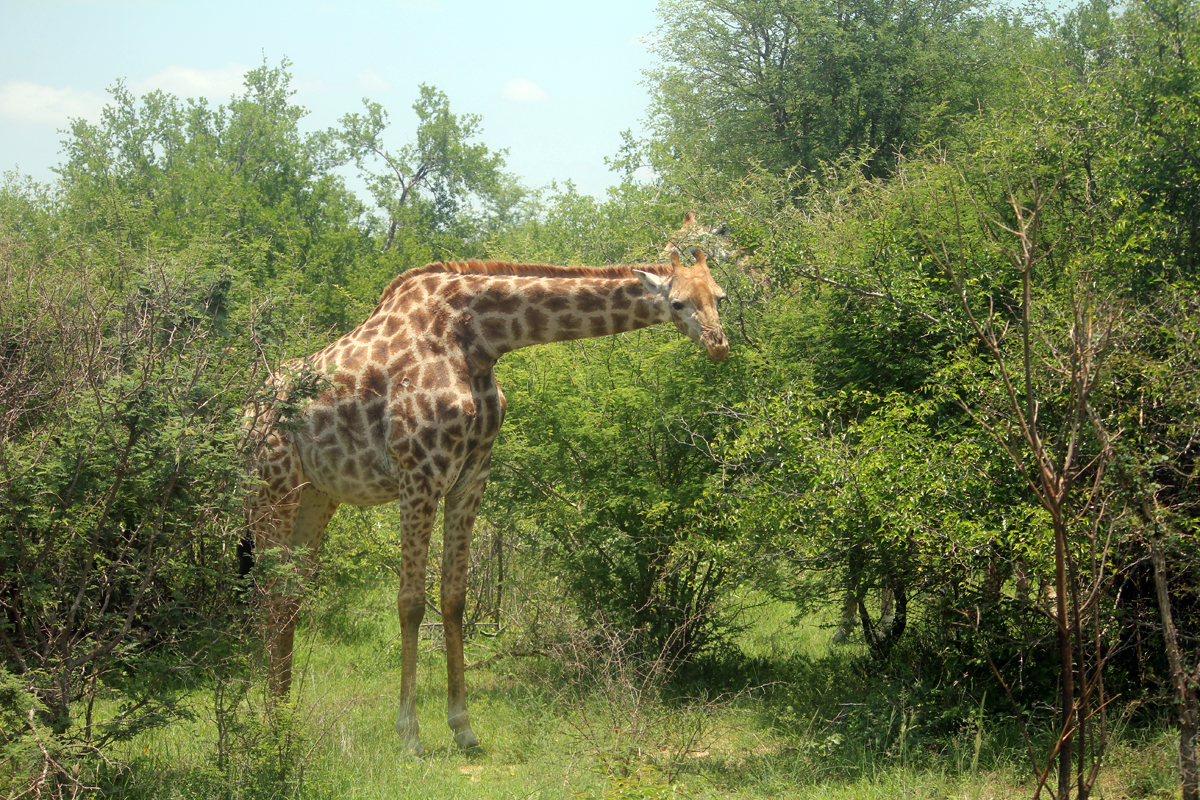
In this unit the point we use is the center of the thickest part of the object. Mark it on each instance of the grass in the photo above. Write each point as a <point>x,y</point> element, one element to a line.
<point>820,728</point>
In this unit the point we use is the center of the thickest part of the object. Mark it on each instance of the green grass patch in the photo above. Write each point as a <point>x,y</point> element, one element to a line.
<point>809,720</point>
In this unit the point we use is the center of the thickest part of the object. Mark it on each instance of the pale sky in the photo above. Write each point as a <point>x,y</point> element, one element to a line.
<point>555,82</point>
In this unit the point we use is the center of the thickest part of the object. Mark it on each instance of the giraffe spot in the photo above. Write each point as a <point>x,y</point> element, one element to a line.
<point>401,363</point>
<point>448,408</point>
<point>435,376</point>
<point>374,382</point>
<point>493,329</point>
<point>589,300</point>
<point>620,321</point>
<point>492,302</point>
<point>619,301</point>
<point>537,320</point>
<point>379,350</point>
<point>518,330</point>
<point>641,312</point>
<point>400,423</point>
<point>437,326</point>
<point>391,326</point>
<point>418,318</point>
<point>569,323</point>
<point>428,437</point>
<point>599,325</point>
<point>452,293</point>
<point>321,420</point>
<point>430,349</point>
<point>375,411</point>
<point>349,415</point>
<point>537,295</point>
<point>441,462</point>
<point>635,290</point>
<point>424,407</point>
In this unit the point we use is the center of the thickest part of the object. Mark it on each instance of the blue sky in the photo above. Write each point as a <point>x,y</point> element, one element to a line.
<point>555,82</point>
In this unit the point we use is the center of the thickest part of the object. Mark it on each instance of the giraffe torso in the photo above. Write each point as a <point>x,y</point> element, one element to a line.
<point>414,406</point>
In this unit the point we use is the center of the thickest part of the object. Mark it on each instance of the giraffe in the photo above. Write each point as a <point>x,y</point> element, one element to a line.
<point>712,239</point>
<point>409,412</point>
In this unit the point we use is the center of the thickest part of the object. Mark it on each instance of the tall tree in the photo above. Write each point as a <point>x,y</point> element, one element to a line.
<point>443,167</point>
<point>160,171</point>
<point>791,83</point>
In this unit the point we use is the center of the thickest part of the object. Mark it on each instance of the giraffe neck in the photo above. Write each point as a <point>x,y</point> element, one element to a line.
<point>497,307</point>
<point>515,312</point>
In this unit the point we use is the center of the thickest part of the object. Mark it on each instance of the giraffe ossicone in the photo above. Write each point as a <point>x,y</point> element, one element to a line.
<point>411,411</point>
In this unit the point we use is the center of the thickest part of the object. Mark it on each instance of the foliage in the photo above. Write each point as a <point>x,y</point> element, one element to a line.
<point>601,458</point>
<point>441,163</point>
<point>121,476</point>
<point>789,84</point>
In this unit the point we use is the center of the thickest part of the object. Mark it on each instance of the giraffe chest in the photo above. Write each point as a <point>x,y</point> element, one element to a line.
<point>438,440</point>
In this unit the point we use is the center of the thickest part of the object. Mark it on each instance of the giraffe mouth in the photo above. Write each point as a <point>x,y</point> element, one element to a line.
<point>715,343</point>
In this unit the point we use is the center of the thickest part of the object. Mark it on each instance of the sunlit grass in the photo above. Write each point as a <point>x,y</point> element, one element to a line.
<point>788,738</point>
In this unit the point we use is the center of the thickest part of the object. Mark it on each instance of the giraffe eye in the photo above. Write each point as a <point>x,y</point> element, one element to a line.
<point>678,306</point>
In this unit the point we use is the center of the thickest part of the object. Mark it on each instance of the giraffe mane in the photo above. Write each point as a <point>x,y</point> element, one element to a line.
<point>518,270</point>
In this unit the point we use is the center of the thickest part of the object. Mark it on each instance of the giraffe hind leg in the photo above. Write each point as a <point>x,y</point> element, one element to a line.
<point>299,525</point>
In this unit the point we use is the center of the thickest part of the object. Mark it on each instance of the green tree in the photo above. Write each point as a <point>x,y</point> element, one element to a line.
<point>604,457</point>
<point>438,174</point>
<point>791,83</point>
<point>161,173</point>
<point>123,380</point>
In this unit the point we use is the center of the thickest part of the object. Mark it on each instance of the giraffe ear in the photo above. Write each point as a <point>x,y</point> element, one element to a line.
<point>653,283</point>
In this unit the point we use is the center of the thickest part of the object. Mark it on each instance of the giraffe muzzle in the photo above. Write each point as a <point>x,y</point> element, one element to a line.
<point>715,343</point>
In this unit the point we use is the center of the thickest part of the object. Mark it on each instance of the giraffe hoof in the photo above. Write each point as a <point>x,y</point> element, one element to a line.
<point>467,741</point>
<point>410,739</point>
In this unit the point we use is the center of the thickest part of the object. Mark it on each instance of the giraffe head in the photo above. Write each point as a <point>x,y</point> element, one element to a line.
<point>715,240</point>
<point>691,297</point>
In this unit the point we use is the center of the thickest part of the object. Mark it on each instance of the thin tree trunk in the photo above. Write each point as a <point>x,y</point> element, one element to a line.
<point>1185,690</point>
<point>391,235</point>
<point>1066,666</point>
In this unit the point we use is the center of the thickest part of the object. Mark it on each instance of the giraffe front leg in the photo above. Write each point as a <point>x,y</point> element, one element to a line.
<point>414,550</point>
<point>461,508</point>
<point>459,720</point>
